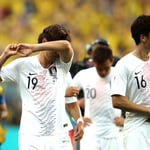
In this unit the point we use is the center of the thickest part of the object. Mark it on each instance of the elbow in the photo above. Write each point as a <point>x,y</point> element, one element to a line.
<point>115,101</point>
<point>67,45</point>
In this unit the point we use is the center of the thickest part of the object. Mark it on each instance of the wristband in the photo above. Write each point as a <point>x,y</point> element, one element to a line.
<point>80,120</point>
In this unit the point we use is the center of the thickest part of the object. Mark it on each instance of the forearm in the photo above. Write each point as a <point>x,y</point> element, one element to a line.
<point>81,102</point>
<point>3,59</point>
<point>74,110</point>
<point>9,51</point>
<point>53,46</point>
<point>125,104</point>
<point>62,47</point>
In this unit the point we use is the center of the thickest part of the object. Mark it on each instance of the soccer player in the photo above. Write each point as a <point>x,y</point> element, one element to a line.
<point>42,82</point>
<point>101,131</point>
<point>130,87</point>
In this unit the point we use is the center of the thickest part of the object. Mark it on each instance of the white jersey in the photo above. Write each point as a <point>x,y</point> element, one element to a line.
<point>98,102</point>
<point>42,93</point>
<point>130,81</point>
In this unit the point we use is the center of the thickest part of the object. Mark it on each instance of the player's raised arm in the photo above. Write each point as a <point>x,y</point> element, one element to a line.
<point>9,51</point>
<point>62,47</point>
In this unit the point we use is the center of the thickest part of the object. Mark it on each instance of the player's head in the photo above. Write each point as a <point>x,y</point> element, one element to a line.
<point>140,26</point>
<point>103,59</point>
<point>54,33</point>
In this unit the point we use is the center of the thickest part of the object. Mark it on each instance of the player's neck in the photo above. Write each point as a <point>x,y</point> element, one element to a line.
<point>43,61</point>
<point>141,54</point>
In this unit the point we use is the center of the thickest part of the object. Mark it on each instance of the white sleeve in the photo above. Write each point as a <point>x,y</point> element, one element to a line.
<point>10,72</point>
<point>119,80</point>
<point>66,66</point>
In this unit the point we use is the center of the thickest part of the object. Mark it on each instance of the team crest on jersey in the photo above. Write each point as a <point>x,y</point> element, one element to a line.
<point>53,72</point>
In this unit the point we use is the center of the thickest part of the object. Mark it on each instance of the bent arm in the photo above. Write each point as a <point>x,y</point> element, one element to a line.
<point>75,112</point>
<point>9,51</point>
<point>63,48</point>
<point>125,104</point>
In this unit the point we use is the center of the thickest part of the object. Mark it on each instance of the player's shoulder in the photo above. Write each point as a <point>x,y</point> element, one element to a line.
<point>126,57</point>
<point>24,61</point>
<point>125,61</point>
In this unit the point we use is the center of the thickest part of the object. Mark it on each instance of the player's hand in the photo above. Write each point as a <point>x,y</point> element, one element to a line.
<point>119,121</point>
<point>24,49</point>
<point>10,50</point>
<point>79,131</point>
<point>87,121</point>
<point>71,91</point>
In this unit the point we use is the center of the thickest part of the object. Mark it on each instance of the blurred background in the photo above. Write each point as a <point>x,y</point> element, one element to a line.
<point>87,20</point>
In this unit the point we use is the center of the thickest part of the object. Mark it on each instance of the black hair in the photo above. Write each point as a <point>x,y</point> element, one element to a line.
<point>140,26</point>
<point>101,53</point>
<point>55,32</point>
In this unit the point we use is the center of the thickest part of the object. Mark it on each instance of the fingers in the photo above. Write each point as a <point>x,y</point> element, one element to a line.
<point>10,50</point>
<point>14,47</point>
<point>78,136</point>
<point>87,121</point>
<point>75,91</point>
<point>20,49</point>
<point>78,132</point>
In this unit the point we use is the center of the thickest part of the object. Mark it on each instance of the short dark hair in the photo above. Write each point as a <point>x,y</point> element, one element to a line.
<point>54,33</point>
<point>101,53</point>
<point>140,26</point>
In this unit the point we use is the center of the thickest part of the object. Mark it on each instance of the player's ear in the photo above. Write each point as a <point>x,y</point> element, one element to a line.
<point>44,40</point>
<point>143,38</point>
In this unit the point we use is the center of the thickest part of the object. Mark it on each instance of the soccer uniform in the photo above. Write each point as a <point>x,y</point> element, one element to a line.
<point>102,133</point>
<point>43,103</point>
<point>130,81</point>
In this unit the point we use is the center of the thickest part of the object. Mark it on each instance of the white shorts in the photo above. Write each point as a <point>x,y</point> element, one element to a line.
<point>57,142</point>
<point>138,139</point>
<point>95,142</point>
